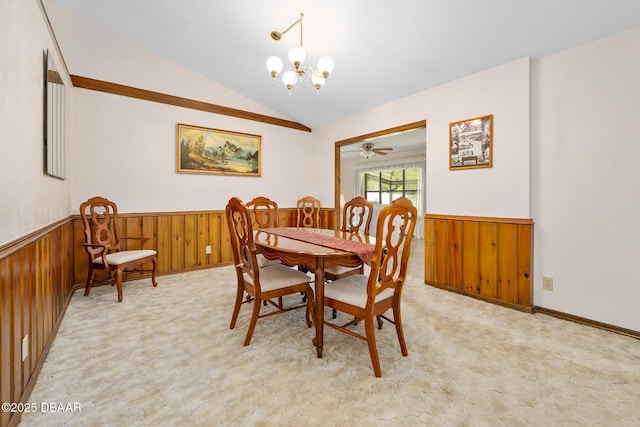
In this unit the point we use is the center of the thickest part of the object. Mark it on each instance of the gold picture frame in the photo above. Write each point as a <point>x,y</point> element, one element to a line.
<point>471,143</point>
<point>202,150</point>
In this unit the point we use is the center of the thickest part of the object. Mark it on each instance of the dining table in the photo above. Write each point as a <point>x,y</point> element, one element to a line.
<point>317,249</point>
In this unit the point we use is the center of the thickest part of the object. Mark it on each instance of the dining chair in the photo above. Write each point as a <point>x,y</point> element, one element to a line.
<point>308,212</point>
<point>105,247</point>
<point>264,214</point>
<point>369,297</point>
<point>356,218</point>
<point>260,284</point>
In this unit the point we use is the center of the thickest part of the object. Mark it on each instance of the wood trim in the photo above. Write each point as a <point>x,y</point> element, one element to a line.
<point>147,95</point>
<point>384,132</point>
<point>587,322</point>
<point>523,221</point>
<point>16,245</point>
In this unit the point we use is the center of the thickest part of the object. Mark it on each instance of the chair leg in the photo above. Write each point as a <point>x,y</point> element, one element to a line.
<point>119,283</point>
<point>254,318</point>
<point>87,287</point>
<point>310,307</point>
<point>373,350</point>
<point>397,318</point>
<point>154,262</point>
<point>236,307</point>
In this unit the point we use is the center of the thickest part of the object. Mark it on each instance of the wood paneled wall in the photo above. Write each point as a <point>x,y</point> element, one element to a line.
<point>38,274</point>
<point>487,258</point>
<point>180,238</point>
<point>36,284</point>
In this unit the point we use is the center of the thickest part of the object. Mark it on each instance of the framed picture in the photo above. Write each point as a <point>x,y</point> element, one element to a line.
<point>218,152</point>
<point>470,143</point>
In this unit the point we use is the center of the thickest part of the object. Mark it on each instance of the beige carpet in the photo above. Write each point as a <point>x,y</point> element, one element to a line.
<point>166,357</point>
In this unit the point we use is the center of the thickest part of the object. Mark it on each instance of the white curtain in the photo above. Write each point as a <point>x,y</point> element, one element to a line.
<point>399,163</point>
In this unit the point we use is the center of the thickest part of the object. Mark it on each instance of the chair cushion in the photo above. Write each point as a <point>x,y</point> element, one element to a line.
<point>279,276</point>
<point>339,269</point>
<point>264,262</point>
<point>122,257</point>
<point>353,290</point>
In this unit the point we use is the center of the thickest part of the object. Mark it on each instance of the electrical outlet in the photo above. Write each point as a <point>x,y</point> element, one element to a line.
<point>547,283</point>
<point>25,347</point>
<point>207,249</point>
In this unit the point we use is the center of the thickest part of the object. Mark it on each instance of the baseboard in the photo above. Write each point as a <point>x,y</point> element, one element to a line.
<point>588,322</point>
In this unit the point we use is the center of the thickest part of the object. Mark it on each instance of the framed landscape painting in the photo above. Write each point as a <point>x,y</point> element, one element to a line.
<point>471,143</point>
<point>218,152</point>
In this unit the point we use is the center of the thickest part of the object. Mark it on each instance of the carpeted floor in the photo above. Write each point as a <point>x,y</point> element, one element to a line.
<point>166,357</point>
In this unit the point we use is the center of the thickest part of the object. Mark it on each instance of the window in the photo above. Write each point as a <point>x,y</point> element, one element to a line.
<point>385,186</point>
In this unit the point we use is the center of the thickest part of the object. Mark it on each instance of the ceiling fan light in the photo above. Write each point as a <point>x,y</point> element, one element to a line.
<point>274,65</point>
<point>366,154</point>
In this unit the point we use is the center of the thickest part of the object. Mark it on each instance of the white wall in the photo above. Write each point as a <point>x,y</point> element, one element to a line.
<point>29,199</point>
<point>126,148</point>
<point>586,178</point>
<point>500,191</point>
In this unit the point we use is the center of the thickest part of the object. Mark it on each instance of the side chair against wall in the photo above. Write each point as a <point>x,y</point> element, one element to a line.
<point>260,284</point>
<point>308,212</point>
<point>369,297</point>
<point>264,214</point>
<point>104,245</point>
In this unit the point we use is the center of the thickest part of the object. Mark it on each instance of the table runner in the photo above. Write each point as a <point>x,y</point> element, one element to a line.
<point>363,250</point>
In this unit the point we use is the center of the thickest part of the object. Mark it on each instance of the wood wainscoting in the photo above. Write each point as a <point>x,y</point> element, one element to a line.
<point>486,258</point>
<point>181,239</point>
<point>36,284</point>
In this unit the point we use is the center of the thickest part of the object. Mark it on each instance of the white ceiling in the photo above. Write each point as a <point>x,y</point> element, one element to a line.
<point>383,50</point>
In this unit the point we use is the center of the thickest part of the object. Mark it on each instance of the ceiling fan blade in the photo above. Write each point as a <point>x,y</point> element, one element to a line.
<point>380,152</point>
<point>385,148</point>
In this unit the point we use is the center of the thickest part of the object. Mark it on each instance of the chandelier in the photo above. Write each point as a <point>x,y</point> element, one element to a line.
<point>298,68</point>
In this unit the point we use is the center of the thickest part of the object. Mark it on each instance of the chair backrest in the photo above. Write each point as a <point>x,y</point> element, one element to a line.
<point>100,221</point>
<point>242,243</point>
<point>357,213</point>
<point>394,233</point>
<point>308,212</point>
<point>264,212</point>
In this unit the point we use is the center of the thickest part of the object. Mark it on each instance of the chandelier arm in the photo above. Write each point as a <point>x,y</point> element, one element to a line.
<point>299,21</point>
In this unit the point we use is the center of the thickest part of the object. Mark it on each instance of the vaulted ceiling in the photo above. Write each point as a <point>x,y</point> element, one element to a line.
<point>382,50</point>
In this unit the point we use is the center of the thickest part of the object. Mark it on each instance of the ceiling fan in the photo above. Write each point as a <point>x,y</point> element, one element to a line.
<point>369,150</point>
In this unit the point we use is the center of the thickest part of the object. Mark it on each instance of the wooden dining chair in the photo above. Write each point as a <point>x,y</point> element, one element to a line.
<point>369,297</point>
<point>105,247</point>
<point>260,284</point>
<point>264,214</point>
<point>308,212</point>
<point>356,218</point>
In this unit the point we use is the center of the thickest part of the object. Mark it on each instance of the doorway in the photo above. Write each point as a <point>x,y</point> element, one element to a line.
<point>386,149</point>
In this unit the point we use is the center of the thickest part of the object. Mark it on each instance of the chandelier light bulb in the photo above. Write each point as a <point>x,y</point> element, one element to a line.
<point>318,80</point>
<point>297,55</point>
<point>325,65</point>
<point>289,79</point>
<point>274,65</point>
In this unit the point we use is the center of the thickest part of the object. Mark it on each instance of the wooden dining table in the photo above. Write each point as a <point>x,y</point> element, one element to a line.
<point>293,246</point>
